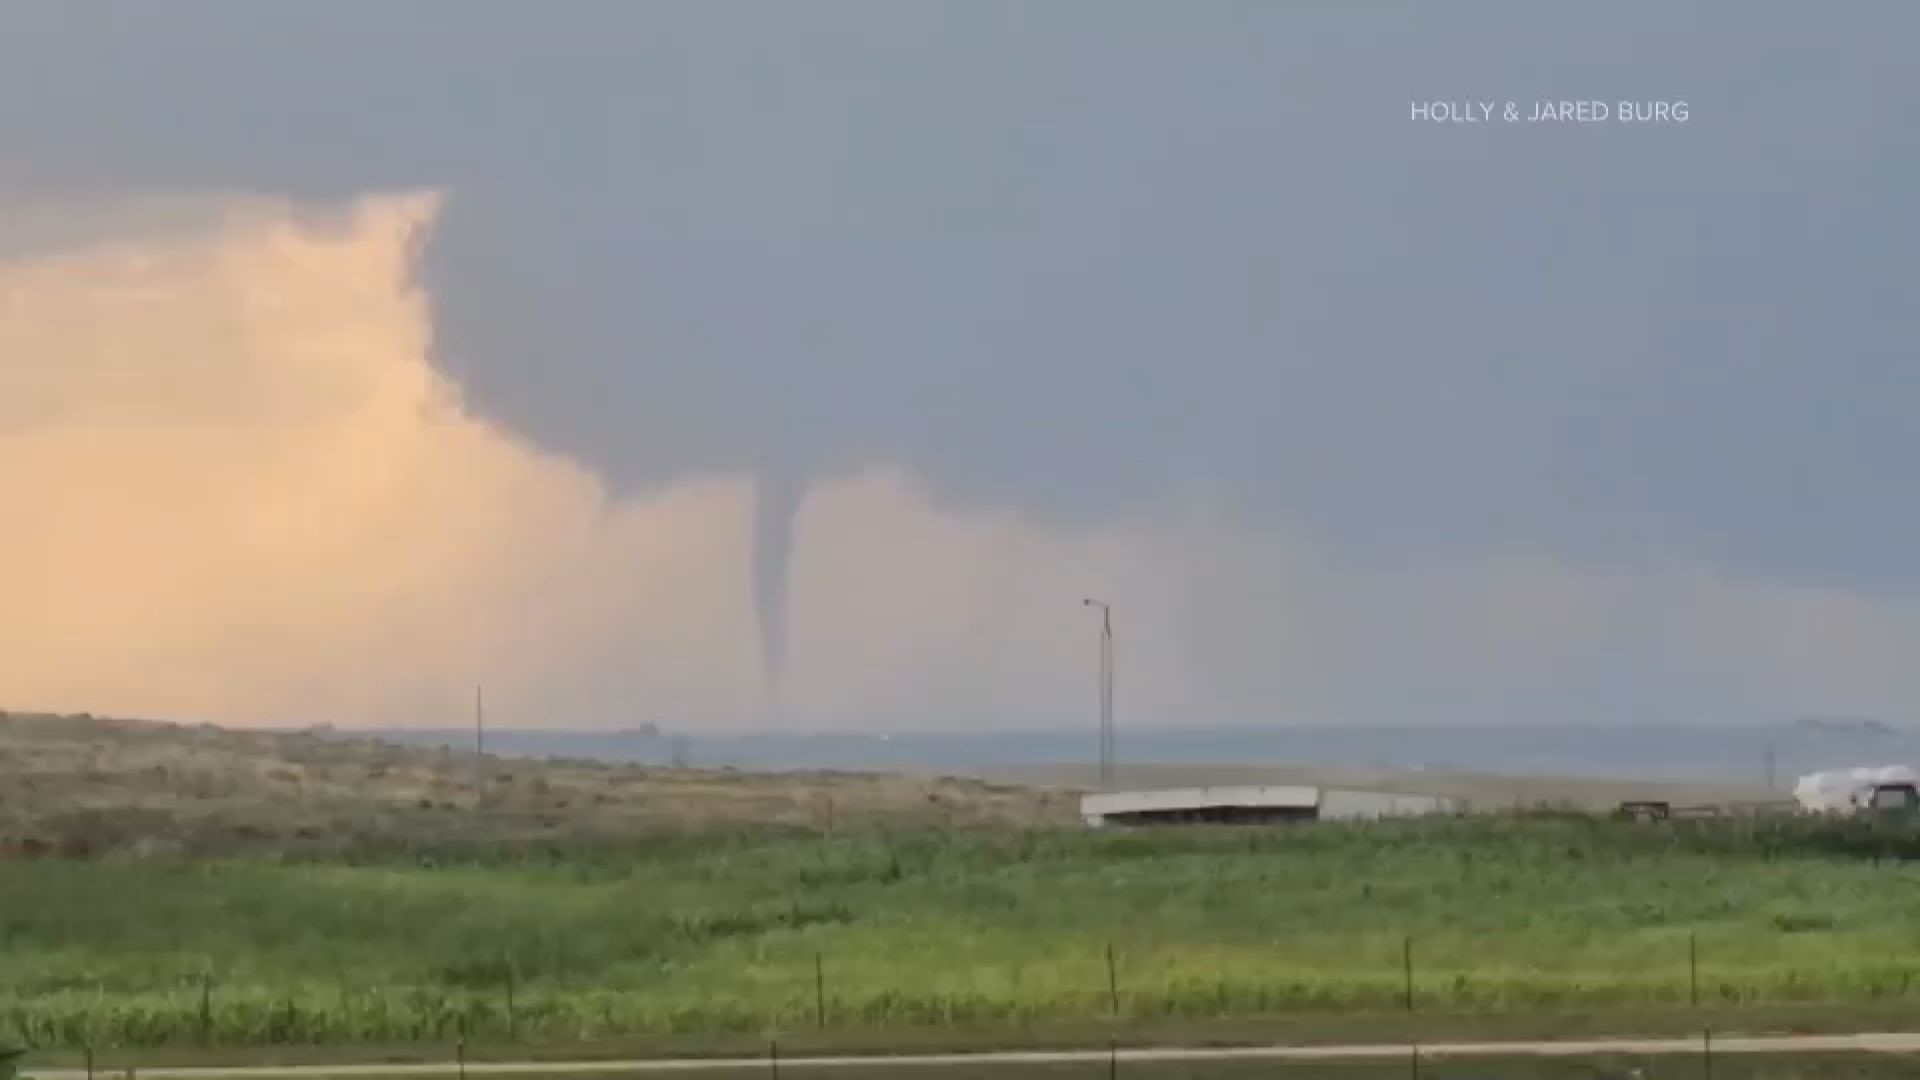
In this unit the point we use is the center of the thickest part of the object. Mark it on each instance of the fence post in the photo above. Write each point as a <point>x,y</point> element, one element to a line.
<point>89,1061</point>
<point>820,991</point>
<point>206,1008</point>
<point>1113,981</point>
<point>1113,1057</point>
<point>1693,967</point>
<point>1406,963</point>
<point>460,1050</point>
<point>773,1057</point>
<point>1707,1046</point>
<point>1413,1061</point>
<point>513,1029</point>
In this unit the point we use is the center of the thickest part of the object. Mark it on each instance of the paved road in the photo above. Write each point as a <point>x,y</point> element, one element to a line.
<point>1762,1044</point>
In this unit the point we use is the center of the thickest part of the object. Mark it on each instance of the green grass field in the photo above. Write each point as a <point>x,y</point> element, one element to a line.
<point>746,934</point>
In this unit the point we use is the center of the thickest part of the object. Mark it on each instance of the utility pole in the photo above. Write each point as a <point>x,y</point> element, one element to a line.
<point>1106,691</point>
<point>479,743</point>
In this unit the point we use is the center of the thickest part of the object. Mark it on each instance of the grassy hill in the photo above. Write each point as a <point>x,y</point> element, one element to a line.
<point>82,785</point>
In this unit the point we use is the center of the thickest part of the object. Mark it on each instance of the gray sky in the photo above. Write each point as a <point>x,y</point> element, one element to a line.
<point>1077,258</point>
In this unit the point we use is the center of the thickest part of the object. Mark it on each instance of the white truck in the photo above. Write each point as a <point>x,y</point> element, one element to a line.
<point>1870,789</point>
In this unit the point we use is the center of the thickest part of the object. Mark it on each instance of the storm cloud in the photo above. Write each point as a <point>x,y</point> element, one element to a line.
<point>1068,265</point>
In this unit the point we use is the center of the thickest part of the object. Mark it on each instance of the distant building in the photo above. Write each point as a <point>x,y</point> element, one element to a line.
<point>1249,803</point>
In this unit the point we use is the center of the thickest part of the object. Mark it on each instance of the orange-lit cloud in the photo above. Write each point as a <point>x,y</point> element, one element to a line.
<point>234,486</point>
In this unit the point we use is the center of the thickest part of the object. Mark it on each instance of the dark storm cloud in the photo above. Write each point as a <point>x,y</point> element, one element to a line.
<point>1077,256</point>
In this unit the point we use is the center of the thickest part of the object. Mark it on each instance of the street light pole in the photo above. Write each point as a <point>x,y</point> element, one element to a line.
<point>1106,690</point>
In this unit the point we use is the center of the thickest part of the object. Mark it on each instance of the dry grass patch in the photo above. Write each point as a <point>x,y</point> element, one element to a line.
<point>86,786</point>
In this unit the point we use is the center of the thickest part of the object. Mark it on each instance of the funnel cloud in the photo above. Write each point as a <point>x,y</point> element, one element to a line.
<point>776,507</point>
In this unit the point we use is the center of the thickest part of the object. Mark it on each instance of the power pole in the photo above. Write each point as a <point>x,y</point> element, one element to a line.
<point>479,743</point>
<point>1106,691</point>
<point>1106,694</point>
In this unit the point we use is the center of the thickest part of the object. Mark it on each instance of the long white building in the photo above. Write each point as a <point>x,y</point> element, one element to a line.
<point>1255,803</point>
